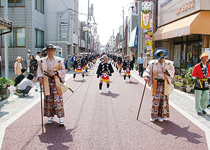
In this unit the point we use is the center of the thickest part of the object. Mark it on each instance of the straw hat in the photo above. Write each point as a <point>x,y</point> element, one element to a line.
<point>19,58</point>
<point>204,55</point>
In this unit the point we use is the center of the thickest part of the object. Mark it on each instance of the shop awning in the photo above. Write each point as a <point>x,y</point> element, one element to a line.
<point>134,38</point>
<point>194,24</point>
<point>5,25</point>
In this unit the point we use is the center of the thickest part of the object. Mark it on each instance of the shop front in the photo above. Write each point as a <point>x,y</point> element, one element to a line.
<point>186,38</point>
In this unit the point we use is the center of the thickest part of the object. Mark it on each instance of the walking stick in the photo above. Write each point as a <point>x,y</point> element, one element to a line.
<point>41,108</point>
<point>141,101</point>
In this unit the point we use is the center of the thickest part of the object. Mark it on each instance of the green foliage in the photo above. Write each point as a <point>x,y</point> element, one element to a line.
<point>4,82</point>
<point>136,67</point>
<point>188,76</point>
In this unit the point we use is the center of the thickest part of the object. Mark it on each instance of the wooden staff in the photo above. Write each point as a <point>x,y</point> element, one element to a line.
<point>141,100</point>
<point>41,108</point>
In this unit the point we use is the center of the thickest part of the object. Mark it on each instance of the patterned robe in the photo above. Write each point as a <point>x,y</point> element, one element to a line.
<point>160,87</point>
<point>53,101</point>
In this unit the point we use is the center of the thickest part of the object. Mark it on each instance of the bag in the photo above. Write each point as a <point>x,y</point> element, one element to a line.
<point>33,65</point>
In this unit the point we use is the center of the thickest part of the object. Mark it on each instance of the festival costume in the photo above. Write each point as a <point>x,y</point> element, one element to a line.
<point>104,71</point>
<point>53,95</point>
<point>127,66</point>
<point>120,63</point>
<point>78,65</point>
<point>201,88</point>
<point>161,87</point>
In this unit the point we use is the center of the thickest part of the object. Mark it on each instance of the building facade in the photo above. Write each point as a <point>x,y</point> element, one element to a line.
<point>183,29</point>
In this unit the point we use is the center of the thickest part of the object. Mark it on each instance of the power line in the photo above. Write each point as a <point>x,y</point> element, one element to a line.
<point>72,9</point>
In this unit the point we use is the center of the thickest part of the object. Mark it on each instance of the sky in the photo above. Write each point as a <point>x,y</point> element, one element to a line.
<point>108,15</point>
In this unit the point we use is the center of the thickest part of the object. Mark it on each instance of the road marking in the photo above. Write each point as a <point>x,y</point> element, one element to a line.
<point>16,116</point>
<point>184,113</point>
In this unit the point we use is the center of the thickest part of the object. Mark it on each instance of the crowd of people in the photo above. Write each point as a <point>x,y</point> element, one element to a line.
<point>50,72</point>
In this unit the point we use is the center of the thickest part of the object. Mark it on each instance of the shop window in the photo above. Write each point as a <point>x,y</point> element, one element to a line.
<point>16,38</point>
<point>183,57</point>
<point>16,3</point>
<point>178,39</point>
<point>177,53</point>
<point>39,5</point>
<point>39,37</point>
<point>193,37</point>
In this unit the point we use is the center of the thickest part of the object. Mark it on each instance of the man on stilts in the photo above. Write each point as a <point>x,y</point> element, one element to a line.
<point>78,65</point>
<point>53,96</point>
<point>104,71</point>
<point>159,74</point>
<point>127,66</point>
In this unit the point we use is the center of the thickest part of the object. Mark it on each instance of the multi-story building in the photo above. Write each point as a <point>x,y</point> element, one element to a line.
<point>40,22</point>
<point>183,28</point>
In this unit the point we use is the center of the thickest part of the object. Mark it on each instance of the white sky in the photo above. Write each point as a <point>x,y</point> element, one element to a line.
<point>108,15</point>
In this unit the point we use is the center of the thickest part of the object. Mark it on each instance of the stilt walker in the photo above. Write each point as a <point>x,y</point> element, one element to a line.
<point>104,71</point>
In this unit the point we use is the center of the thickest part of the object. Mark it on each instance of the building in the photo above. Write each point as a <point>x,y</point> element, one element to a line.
<point>183,28</point>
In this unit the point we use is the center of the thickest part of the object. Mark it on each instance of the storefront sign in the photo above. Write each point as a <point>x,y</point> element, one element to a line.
<point>180,32</point>
<point>63,29</point>
<point>64,23</point>
<point>185,7</point>
<point>146,7</point>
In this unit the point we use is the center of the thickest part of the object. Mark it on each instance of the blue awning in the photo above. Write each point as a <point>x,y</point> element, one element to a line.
<point>134,38</point>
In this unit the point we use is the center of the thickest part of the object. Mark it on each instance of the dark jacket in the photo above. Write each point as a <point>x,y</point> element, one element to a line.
<point>18,79</point>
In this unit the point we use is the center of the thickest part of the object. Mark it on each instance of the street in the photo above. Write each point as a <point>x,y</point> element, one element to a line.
<point>106,120</point>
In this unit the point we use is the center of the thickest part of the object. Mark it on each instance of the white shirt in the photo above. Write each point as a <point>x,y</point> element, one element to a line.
<point>24,83</point>
<point>37,57</point>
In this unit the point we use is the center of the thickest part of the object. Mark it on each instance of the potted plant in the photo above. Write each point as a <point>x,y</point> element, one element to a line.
<point>4,84</point>
<point>189,79</point>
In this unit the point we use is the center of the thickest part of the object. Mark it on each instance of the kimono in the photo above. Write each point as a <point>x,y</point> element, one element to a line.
<point>53,96</point>
<point>127,66</point>
<point>161,86</point>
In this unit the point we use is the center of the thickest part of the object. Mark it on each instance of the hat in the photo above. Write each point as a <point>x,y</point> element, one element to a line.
<point>132,54</point>
<point>19,58</point>
<point>28,50</point>
<point>159,53</point>
<point>147,53</point>
<point>204,55</point>
<point>48,47</point>
<point>76,53</point>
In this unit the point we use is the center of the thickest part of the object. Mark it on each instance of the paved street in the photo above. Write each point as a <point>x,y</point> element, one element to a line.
<point>103,121</point>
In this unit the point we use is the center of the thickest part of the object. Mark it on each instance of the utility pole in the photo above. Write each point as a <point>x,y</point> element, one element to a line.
<point>88,26</point>
<point>140,43</point>
<point>5,41</point>
<point>123,51</point>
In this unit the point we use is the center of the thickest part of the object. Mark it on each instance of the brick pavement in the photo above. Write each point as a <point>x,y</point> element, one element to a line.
<point>14,107</point>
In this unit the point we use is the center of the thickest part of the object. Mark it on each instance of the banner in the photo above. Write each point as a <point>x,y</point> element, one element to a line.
<point>145,20</point>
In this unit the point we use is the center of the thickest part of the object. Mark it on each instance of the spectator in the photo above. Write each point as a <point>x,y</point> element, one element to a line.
<point>133,60</point>
<point>26,84</point>
<point>28,59</point>
<point>209,91</point>
<point>20,77</point>
<point>140,64</point>
<point>33,65</point>
<point>59,54</point>
<point>146,60</point>
<point>69,63</point>
<point>38,56</point>
<point>17,66</point>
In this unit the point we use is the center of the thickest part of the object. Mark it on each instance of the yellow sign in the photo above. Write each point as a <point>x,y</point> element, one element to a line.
<point>148,43</point>
<point>145,20</point>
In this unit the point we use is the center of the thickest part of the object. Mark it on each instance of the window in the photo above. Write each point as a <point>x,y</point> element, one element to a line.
<point>16,38</point>
<point>14,3</point>
<point>39,5</point>
<point>39,37</point>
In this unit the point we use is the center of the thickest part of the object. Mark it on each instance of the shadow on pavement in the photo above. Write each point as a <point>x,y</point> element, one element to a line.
<point>56,135</point>
<point>131,82</point>
<point>177,131</point>
<point>113,95</point>
<point>2,113</point>
<point>82,81</point>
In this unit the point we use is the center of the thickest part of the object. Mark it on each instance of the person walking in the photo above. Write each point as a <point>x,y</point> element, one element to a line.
<point>38,56</point>
<point>133,60</point>
<point>33,65</point>
<point>17,66</point>
<point>69,63</point>
<point>28,54</point>
<point>201,74</point>
<point>159,74</point>
<point>78,65</point>
<point>140,64</point>
<point>146,60</point>
<point>53,96</point>
<point>127,66</point>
